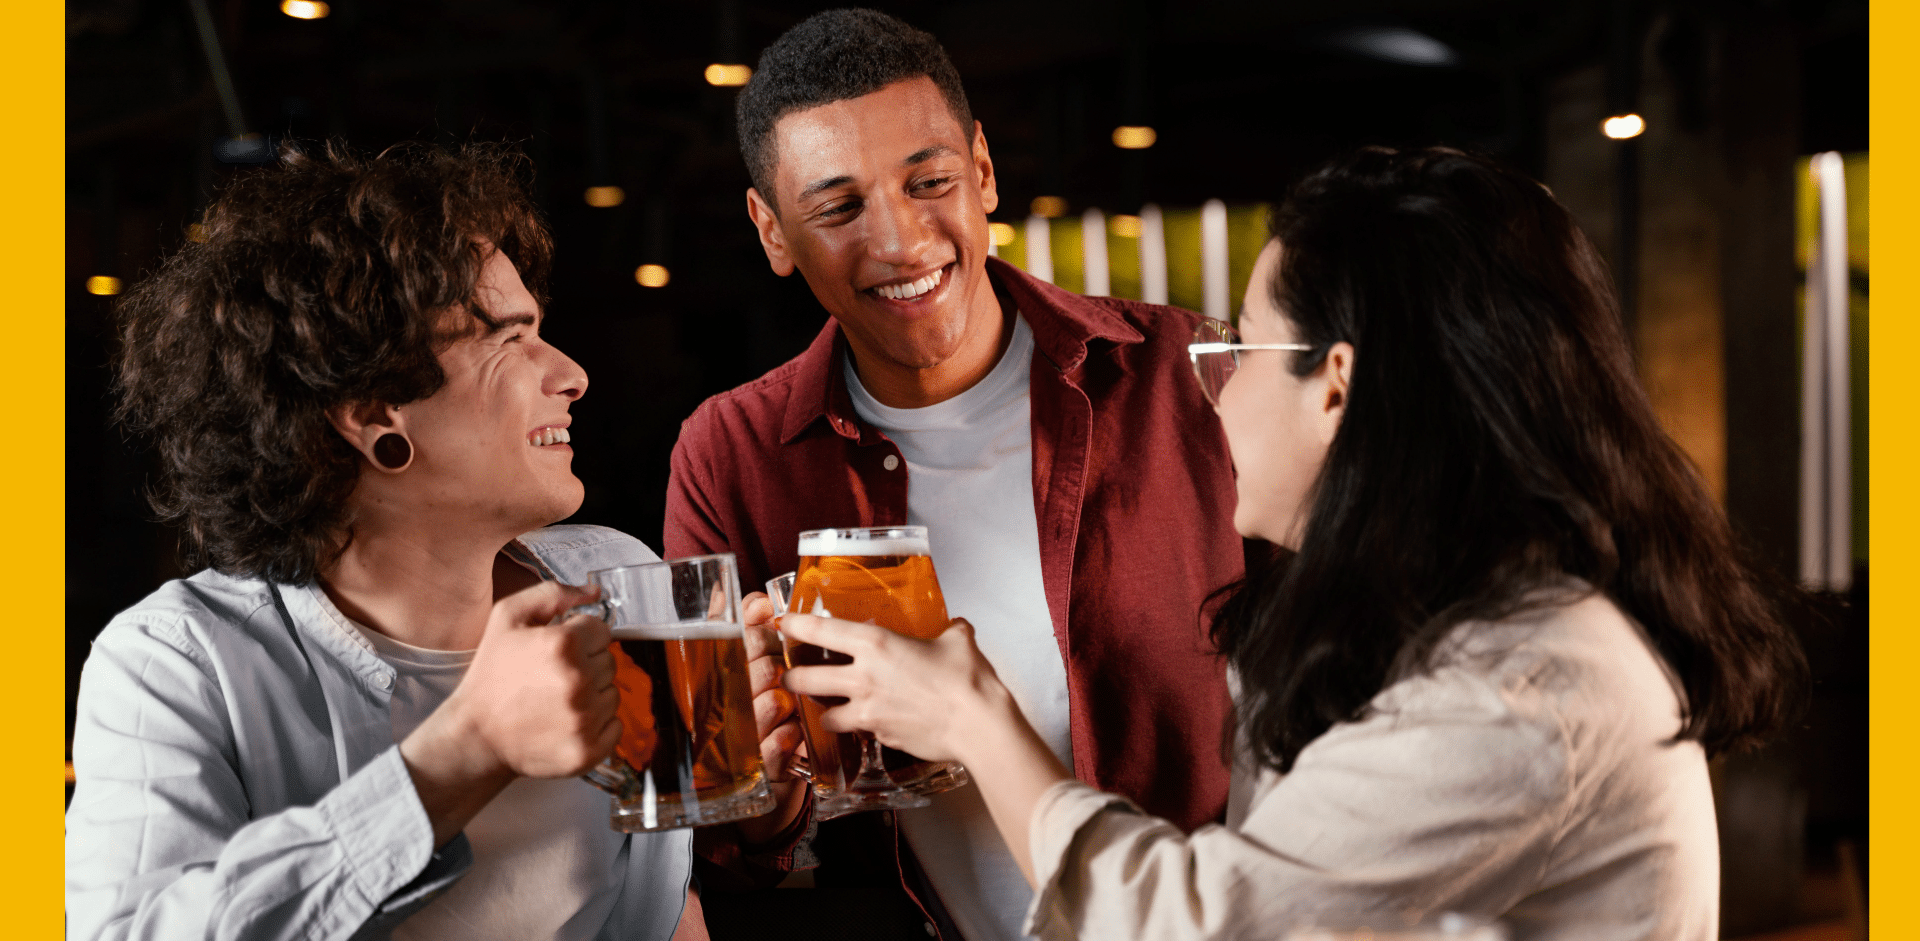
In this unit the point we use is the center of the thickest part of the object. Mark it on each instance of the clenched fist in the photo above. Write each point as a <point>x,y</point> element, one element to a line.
<point>540,691</point>
<point>538,701</point>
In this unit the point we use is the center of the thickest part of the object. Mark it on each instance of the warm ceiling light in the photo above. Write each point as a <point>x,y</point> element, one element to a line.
<point>1127,227</point>
<point>103,284</point>
<point>305,9</point>
<point>1621,127</point>
<point>1001,233</point>
<point>728,75</point>
<point>1130,137</point>
<point>651,276</point>
<point>605,197</point>
<point>1049,207</point>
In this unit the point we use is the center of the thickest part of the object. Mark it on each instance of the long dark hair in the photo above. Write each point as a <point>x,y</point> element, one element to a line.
<point>1495,441</point>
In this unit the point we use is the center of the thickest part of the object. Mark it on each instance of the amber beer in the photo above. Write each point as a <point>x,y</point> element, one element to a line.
<point>687,712</point>
<point>883,577</point>
<point>689,754</point>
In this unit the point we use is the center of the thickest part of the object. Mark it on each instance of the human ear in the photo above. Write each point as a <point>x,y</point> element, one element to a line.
<point>983,168</point>
<point>1337,370</point>
<point>771,240</point>
<point>363,424</point>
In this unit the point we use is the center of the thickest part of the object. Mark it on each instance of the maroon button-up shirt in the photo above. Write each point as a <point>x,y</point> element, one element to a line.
<point>1132,491</point>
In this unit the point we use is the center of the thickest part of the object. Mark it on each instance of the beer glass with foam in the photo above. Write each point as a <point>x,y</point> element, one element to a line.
<point>882,576</point>
<point>689,754</point>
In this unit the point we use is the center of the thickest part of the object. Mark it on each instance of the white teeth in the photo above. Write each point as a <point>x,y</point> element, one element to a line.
<point>546,436</point>
<point>901,292</point>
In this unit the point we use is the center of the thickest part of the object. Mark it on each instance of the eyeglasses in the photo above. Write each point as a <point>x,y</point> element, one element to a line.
<point>1215,352</point>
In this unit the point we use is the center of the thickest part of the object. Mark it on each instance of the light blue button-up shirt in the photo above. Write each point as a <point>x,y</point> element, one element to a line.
<point>236,775</point>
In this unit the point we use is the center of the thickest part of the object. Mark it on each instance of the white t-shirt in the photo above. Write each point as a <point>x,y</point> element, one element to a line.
<point>545,862</point>
<point>970,466</point>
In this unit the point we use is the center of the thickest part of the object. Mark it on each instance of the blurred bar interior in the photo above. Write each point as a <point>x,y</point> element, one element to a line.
<point>1714,149</point>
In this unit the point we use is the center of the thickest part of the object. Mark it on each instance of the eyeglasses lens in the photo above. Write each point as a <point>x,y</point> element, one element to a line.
<point>1214,369</point>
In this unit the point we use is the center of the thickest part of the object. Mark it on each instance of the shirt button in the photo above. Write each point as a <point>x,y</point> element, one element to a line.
<point>892,462</point>
<point>886,817</point>
<point>382,680</point>
<point>929,927</point>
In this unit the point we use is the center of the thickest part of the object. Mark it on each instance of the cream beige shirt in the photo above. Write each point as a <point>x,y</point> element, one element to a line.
<point>1530,775</point>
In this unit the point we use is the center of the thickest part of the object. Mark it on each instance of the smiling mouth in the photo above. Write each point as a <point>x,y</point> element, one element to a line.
<point>546,436</point>
<point>912,290</point>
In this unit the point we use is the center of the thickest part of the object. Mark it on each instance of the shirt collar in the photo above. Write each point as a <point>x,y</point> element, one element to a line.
<point>1064,324</point>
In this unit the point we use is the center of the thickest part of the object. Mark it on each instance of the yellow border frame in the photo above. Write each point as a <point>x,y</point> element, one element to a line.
<point>1893,396</point>
<point>32,62</point>
<point>33,475</point>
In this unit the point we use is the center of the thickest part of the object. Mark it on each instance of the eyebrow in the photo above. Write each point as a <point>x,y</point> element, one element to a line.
<point>919,156</point>
<point>822,185</point>
<point>496,324</point>
<point>928,153</point>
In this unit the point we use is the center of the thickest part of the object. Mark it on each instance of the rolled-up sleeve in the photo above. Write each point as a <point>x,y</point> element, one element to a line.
<point>161,842</point>
<point>1452,805</point>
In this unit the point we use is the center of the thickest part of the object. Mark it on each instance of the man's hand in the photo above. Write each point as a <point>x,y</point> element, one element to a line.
<point>537,701</point>
<point>776,715</point>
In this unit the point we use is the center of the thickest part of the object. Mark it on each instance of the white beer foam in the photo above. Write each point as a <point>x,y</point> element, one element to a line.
<point>688,630</point>
<point>829,542</point>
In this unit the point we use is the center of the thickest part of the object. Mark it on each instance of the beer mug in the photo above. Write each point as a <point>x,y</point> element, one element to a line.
<point>882,576</point>
<point>689,754</point>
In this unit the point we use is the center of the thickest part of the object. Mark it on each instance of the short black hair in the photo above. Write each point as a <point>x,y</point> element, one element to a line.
<point>833,56</point>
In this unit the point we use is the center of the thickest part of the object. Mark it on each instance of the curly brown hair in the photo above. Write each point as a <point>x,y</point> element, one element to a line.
<point>324,280</point>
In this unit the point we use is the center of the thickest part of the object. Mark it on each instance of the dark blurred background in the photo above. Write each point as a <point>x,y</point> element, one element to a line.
<point>1697,216</point>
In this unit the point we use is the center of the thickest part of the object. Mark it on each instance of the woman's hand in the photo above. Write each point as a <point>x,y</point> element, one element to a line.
<point>776,716</point>
<point>938,699</point>
<point>926,697</point>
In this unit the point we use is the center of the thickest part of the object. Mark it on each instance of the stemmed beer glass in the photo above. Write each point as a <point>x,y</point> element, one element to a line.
<point>882,576</point>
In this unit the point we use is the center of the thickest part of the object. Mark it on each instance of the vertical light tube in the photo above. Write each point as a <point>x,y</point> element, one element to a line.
<point>1213,259</point>
<point>1153,255</point>
<point>1826,478</point>
<point>1040,248</point>
<point>1833,287</point>
<point>1093,243</point>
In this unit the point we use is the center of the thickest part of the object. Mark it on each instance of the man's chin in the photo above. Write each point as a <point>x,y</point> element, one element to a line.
<point>562,506</point>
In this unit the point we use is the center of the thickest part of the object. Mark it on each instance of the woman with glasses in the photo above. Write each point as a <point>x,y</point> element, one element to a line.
<point>1509,627</point>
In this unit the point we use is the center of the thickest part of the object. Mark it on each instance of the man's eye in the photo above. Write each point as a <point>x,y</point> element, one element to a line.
<point>838,209</point>
<point>935,183</point>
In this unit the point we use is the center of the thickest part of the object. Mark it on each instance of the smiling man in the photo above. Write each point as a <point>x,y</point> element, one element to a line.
<point>1071,474</point>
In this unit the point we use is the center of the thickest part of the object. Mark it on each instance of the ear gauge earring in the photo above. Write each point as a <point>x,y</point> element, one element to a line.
<point>393,451</point>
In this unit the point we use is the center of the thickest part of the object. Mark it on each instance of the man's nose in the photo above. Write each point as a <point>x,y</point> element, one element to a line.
<point>898,230</point>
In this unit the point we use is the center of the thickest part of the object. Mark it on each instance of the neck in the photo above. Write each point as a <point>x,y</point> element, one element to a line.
<point>421,588</point>
<point>897,386</point>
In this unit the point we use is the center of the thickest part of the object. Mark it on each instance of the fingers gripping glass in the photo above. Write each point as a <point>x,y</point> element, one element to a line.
<point>1215,352</point>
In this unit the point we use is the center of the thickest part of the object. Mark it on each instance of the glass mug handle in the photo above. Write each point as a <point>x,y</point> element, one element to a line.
<point>780,592</point>
<point>612,775</point>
